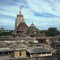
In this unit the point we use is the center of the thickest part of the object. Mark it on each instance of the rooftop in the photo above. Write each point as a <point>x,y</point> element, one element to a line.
<point>37,50</point>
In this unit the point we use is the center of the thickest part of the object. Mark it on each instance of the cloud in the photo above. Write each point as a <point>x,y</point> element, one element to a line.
<point>43,13</point>
<point>6,22</point>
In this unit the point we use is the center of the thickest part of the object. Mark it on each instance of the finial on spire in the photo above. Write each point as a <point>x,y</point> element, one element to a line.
<point>32,24</point>
<point>20,9</point>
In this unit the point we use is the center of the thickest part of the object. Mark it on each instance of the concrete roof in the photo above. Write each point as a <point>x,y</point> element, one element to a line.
<point>5,49</point>
<point>37,50</point>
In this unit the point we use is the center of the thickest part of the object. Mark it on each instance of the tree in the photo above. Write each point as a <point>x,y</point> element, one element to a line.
<point>52,31</point>
<point>6,33</point>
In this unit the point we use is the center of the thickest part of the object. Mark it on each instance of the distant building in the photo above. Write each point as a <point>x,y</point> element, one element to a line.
<point>23,53</point>
<point>15,53</point>
<point>55,42</point>
<point>2,29</point>
<point>38,52</point>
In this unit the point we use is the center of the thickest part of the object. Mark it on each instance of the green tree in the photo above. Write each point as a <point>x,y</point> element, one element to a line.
<point>52,31</point>
<point>6,33</point>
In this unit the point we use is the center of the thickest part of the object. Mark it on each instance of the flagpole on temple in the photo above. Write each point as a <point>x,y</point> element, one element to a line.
<point>20,9</point>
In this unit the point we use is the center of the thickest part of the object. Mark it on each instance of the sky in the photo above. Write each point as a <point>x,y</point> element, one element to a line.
<point>43,13</point>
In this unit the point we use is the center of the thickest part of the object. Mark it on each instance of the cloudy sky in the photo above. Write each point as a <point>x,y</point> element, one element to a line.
<point>43,13</point>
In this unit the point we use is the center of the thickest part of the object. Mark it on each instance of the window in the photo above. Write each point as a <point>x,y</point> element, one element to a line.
<point>20,53</point>
<point>43,52</point>
<point>48,52</point>
<point>59,39</point>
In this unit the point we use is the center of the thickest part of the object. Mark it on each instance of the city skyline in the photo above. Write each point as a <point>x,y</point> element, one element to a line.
<point>43,13</point>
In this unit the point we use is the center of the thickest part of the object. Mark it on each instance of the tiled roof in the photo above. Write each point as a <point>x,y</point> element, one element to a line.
<point>38,50</point>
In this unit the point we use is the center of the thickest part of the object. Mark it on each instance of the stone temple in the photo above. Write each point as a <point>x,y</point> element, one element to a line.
<point>22,29</point>
<point>25,42</point>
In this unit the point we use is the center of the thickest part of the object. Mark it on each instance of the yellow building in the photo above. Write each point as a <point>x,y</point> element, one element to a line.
<point>19,53</point>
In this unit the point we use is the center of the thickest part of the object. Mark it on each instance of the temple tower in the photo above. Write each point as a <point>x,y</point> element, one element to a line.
<point>20,25</point>
<point>19,19</point>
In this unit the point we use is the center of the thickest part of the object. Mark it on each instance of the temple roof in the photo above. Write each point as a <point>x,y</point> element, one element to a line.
<point>32,30</point>
<point>37,50</point>
<point>22,26</point>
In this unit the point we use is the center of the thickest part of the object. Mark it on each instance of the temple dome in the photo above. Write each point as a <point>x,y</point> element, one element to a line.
<point>20,15</point>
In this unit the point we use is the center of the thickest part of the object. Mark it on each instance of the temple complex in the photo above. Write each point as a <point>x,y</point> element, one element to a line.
<point>28,41</point>
<point>22,29</point>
